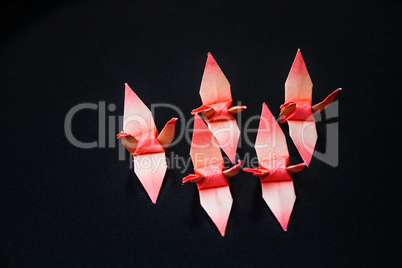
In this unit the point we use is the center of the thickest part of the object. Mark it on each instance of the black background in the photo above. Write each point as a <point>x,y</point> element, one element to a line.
<point>65,206</point>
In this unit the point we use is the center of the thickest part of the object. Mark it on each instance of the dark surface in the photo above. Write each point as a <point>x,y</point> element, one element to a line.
<point>65,206</point>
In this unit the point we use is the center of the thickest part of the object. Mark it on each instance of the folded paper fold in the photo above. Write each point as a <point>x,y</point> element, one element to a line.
<point>298,110</point>
<point>140,137</point>
<point>274,168</point>
<point>217,108</point>
<point>210,175</point>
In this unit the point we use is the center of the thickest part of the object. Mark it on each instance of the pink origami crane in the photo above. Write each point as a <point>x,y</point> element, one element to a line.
<point>217,110</point>
<point>210,176</point>
<point>297,109</point>
<point>274,170</point>
<point>141,139</point>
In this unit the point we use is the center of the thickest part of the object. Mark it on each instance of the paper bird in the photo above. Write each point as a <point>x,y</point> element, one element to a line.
<point>297,109</point>
<point>210,176</point>
<point>274,170</point>
<point>216,109</point>
<point>141,139</point>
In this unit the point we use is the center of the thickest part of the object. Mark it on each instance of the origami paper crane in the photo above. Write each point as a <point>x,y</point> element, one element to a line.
<point>274,170</point>
<point>141,139</point>
<point>216,109</point>
<point>210,176</point>
<point>297,109</point>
